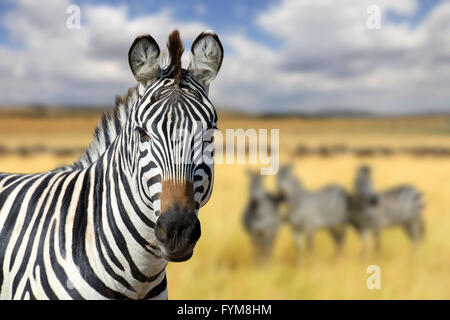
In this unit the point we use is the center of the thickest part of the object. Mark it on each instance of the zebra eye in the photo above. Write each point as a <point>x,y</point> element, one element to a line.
<point>143,136</point>
<point>212,128</point>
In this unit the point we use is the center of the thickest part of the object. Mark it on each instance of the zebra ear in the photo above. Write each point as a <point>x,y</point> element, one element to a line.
<point>206,57</point>
<point>143,59</point>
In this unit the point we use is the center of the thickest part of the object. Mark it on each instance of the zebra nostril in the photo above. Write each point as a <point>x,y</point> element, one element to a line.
<point>195,230</point>
<point>177,229</point>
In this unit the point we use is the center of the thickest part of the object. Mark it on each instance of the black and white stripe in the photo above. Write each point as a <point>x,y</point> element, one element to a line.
<point>374,210</point>
<point>261,218</point>
<point>309,211</point>
<point>87,231</point>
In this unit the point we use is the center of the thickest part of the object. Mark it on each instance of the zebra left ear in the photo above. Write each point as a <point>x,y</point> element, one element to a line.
<point>206,57</point>
<point>143,59</point>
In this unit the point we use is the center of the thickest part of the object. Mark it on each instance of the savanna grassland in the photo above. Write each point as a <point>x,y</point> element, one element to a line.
<point>222,266</point>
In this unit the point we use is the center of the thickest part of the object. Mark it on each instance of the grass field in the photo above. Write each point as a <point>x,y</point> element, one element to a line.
<point>222,266</point>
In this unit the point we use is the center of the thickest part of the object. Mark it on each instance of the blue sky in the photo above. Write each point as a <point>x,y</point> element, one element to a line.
<point>424,7</point>
<point>219,15</point>
<point>280,55</point>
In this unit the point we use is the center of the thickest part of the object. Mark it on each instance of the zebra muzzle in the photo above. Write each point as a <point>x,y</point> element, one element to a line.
<point>177,231</point>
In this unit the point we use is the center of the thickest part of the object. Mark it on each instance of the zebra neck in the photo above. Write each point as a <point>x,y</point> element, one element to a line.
<point>297,193</point>
<point>122,214</point>
<point>109,127</point>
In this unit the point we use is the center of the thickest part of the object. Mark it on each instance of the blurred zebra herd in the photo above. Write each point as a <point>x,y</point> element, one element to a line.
<point>331,208</point>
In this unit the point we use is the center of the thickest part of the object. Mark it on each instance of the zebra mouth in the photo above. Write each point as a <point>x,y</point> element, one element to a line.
<point>179,259</point>
<point>153,246</point>
<point>178,255</point>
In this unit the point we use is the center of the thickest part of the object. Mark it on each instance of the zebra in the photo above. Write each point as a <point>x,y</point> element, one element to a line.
<point>106,226</point>
<point>398,206</point>
<point>261,217</point>
<point>308,211</point>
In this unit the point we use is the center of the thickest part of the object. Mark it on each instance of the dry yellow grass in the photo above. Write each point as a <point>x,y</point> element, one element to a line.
<point>222,265</point>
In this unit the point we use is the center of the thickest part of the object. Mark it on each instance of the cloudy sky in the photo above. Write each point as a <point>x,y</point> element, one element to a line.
<point>280,55</point>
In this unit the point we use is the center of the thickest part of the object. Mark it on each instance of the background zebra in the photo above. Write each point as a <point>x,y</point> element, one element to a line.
<point>106,227</point>
<point>399,206</point>
<point>308,211</point>
<point>261,218</point>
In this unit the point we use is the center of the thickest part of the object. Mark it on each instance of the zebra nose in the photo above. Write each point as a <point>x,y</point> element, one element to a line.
<point>178,231</point>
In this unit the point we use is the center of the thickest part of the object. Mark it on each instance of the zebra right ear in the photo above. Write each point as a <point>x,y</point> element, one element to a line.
<point>206,57</point>
<point>143,59</point>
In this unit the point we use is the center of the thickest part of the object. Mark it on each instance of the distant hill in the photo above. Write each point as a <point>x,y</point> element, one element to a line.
<point>40,110</point>
<point>327,113</point>
<point>322,114</point>
<point>37,111</point>
<point>299,114</point>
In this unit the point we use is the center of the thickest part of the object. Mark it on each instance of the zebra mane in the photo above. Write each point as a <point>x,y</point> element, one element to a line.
<point>175,51</point>
<point>108,128</point>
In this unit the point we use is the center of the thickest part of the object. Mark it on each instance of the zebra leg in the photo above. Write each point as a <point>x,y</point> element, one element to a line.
<point>310,240</point>
<point>298,239</point>
<point>365,243</point>
<point>338,235</point>
<point>409,230</point>
<point>267,246</point>
<point>422,229</point>
<point>377,238</point>
<point>415,229</point>
<point>257,246</point>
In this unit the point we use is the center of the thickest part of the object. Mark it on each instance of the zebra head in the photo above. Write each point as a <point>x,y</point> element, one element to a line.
<point>173,125</point>
<point>289,187</point>
<point>256,185</point>
<point>363,182</point>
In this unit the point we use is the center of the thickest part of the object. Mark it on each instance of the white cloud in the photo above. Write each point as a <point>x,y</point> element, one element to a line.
<point>326,56</point>
<point>54,64</point>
